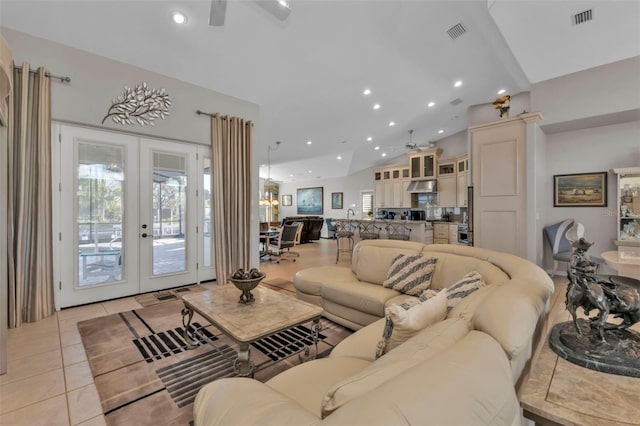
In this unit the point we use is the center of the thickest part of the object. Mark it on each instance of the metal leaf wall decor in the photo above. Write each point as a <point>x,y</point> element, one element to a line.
<point>140,104</point>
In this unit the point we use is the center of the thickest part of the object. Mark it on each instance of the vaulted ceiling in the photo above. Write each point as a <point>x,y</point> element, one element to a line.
<point>308,73</point>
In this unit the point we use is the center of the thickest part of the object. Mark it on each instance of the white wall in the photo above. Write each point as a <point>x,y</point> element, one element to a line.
<point>350,186</point>
<point>598,91</point>
<point>592,150</point>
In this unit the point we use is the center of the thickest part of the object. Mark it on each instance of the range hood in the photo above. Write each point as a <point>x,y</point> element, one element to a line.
<point>422,186</point>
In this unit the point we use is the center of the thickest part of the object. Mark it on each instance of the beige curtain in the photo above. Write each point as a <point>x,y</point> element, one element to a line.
<point>231,143</point>
<point>29,229</point>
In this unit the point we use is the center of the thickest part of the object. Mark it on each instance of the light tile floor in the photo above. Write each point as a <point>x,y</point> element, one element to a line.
<point>49,381</point>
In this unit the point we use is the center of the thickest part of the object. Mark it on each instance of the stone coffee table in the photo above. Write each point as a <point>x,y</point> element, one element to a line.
<point>270,313</point>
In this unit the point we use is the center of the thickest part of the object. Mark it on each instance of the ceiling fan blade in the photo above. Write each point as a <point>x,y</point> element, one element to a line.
<point>217,13</point>
<point>278,8</point>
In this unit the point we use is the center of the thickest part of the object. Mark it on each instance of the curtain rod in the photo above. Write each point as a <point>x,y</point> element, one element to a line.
<point>63,79</point>
<point>224,117</point>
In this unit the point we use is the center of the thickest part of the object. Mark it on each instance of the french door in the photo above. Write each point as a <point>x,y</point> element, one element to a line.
<point>132,215</point>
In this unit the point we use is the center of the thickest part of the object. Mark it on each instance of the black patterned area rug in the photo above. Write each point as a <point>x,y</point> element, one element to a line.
<point>146,375</point>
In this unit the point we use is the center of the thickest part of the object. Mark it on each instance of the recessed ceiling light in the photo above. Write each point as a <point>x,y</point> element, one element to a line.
<point>290,174</point>
<point>384,154</point>
<point>430,104</point>
<point>440,131</point>
<point>369,139</point>
<point>392,123</point>
<point>457,83</point>
<point>179,18</point>
<point>310,171</point>
<point>283,3</point>
<point>263,165</point>
<point>376,106</point>
<point>376,148</point>
<point>339,158</point>
<point>367,91</point>
<point>309,142</point>
<point>501,91</point>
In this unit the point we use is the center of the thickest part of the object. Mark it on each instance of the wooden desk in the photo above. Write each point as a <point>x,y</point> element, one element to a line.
<point>560,392</point>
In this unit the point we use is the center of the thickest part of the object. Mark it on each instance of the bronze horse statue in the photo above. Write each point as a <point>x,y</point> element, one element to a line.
<point>587,291</point>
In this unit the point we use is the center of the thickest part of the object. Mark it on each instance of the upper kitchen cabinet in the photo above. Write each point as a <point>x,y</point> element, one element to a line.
<point>391,186</point>
<point>423,165</point>
<point>462,178</point>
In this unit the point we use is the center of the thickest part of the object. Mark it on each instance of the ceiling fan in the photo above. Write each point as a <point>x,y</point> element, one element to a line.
<point>278,8</point>
<point>414,146</point>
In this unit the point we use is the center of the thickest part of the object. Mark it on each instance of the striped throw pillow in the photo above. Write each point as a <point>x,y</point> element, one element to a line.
<point>410,274</point>
<point>458,291</point>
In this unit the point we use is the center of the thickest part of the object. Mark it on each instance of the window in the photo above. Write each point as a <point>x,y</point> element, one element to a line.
<point>367,203</point>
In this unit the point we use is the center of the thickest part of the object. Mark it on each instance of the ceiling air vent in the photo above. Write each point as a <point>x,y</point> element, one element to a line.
<point>582,17</point>
<point>456,101</point>
<point>456,31</point>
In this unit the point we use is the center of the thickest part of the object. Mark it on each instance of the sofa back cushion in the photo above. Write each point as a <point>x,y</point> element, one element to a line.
<point>370,262</point>
<point>421,347</point>
<point>450,268</point>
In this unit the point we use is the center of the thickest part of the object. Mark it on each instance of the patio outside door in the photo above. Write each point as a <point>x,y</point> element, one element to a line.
<point>167,215</point>
<point>127,214</point>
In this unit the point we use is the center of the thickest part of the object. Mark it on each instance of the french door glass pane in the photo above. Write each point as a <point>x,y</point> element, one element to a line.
<point>207,212</point>
<point>169,212</point>
<point>100,206</point>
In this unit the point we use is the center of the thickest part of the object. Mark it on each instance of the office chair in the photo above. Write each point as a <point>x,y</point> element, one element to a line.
<point>282,244</point>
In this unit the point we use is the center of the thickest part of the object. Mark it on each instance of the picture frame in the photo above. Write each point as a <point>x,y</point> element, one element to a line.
<point>580,190</point>
<point>287,200</point>
<point>310,200</point>
<point>336,200</point>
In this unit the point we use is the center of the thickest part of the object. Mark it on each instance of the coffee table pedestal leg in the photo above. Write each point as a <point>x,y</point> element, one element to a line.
<point>189,337</point>
<point>305,355</point>
<point>243,364</point>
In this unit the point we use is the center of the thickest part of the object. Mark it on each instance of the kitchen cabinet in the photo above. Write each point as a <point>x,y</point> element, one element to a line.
<point>447,187</point>
<point>440,233</point>
<point>390,187</point>
<point>447,183</point>
<point>453,234</point>
<point>423,164</point>
<point>462,178</point>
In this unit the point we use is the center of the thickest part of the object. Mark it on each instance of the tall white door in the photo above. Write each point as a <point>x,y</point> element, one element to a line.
<point>96,211</point>
<point>128,214</point>
<point>167,223</point>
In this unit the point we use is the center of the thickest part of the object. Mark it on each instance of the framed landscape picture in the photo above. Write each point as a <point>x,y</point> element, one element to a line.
<point>580,190</point>
<point>309,200</point>
<point>286,200</point>
<point>336,200</point>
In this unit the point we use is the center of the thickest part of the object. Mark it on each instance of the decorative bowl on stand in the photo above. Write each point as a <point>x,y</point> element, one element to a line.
<point>246,286</point>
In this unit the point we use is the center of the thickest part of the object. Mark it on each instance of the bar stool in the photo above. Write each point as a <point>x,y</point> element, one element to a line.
<point>398,231</point>
<point>344,231</point>
<point>368,231</point>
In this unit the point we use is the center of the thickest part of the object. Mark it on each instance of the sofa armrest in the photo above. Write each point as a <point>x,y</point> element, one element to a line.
<point>238,401</point>
<point>511,315</point>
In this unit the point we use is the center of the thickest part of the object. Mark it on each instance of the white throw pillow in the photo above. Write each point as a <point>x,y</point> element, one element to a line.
<point>458,291</point>
<point>403,321</point>
<point>410,274</point>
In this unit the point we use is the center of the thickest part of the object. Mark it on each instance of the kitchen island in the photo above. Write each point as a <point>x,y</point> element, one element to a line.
<point>420,230</point>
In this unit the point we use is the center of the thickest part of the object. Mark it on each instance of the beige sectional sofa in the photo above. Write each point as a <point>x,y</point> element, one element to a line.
<point>462,370</point>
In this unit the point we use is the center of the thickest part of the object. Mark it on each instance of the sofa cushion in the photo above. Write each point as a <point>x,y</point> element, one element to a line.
<point>308,382</point>
<point>310,280</point>
<point>363,297</point>
<point>421,347</point>
<point>360,343</point>
<point>410,274</point>
<point>404,321</point>
<point>458,291</point>
<point>371,263</point>
<point>467,383</point>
